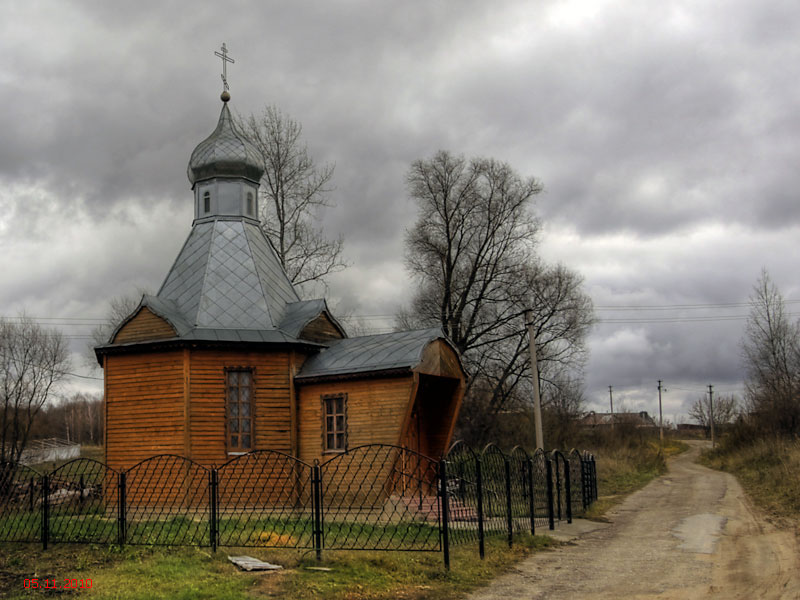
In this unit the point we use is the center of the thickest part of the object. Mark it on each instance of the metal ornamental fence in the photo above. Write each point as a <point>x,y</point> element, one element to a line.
<point>373,497</point>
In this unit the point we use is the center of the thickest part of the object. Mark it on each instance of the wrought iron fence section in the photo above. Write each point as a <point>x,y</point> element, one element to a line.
<point>495,498</point>
<point>82,504</point>
<point>20,503</point>
<point>264,499</point>
<point>521,478</point>
<point>576,481</point>
<point>562,494</point>
<point>380,497</point>
<point>373,497</point>
<point>166,502</point>
<point>541,490</point>
<point>464,487</point>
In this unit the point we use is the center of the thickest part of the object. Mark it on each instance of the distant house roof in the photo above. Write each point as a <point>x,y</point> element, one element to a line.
<point>638,419</point>
<point>384,352</point>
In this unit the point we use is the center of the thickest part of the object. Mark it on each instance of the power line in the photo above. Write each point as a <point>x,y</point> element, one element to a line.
<point>682,306</point>
<point>52,370</point>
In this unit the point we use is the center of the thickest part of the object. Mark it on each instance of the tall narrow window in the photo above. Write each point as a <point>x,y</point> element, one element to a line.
<point>250,203</point>
<point>207,202</point>
<point>335,423</point>
<point>240,409</point>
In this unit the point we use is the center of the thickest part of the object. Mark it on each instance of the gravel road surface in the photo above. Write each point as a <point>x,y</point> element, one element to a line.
<point>688,535</point>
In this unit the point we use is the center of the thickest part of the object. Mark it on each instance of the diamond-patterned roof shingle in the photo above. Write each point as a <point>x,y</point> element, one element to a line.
<point>227,276</point>
<point>382,352</point>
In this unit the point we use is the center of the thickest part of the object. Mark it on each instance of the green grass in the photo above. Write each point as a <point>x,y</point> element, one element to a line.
<point>768,470</point>
<point>93,525</point>
<point>197,573</point>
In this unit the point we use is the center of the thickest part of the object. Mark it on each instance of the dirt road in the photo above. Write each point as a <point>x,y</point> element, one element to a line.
<point>688,535</point>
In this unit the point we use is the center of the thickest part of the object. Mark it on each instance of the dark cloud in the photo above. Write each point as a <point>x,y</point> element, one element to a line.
<point>666,134</point>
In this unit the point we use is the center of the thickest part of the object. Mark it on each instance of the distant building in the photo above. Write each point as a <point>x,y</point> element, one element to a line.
<point>691,427</point>
<point>602,420</point>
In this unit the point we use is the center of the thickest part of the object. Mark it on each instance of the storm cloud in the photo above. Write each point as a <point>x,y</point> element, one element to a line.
<point>667,136</point>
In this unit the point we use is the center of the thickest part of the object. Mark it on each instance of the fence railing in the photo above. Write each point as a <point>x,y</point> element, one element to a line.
<point>373,497</point>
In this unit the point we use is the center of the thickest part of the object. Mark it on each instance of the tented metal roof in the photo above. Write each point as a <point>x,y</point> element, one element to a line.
<point>227,276</point>
<point>384,352</point>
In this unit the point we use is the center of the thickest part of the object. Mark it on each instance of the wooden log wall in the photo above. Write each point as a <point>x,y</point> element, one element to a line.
<point>321,329</point>
<point>375,412</point>
<point>272,407</point>
<point>146,325</point>
<point>144,407</point>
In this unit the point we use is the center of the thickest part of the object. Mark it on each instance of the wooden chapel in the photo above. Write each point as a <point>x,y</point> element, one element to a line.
<point>226,358</point>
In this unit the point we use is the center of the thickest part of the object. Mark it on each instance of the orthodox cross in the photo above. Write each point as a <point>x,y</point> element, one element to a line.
<point>225,60</point>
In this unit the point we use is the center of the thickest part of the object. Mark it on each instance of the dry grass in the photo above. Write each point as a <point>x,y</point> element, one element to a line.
<point>768,469</point>
<point>624,468</point>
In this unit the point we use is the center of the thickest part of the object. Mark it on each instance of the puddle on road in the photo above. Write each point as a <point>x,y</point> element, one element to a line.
<point>700,533</point>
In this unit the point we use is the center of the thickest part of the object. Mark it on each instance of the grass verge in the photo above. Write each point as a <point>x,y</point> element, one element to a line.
<point>133,573</point>
<point>768,470</point>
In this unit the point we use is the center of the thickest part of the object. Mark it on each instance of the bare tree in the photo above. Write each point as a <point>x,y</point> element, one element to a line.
<point>119,309</point>
<point>725,410</point>
<point>78,418</point>
<point>771,350</point>
<point>33,362</point>
<point>293,190</point>
<point>472,253</point>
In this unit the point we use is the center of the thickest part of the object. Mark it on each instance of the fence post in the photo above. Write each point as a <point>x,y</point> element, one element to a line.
<point>121,509</point>
<point>568,490</point>
<point>33,503</point>
<point>213,520</point>
<point>445,512</point>
<point>532,504</point>
<point>316,507</point>
<point>585,483</point>
<point>479,483</point>
<point>594,478</point>
<point>45,510</point>
<point>550,515</point>
<point>558,487</point>
<point>508,501</point>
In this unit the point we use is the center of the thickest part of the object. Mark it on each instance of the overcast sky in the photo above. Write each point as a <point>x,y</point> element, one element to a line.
<point>666,133</point>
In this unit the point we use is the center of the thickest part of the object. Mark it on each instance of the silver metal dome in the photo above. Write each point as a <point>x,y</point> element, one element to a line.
<point>225,153</point>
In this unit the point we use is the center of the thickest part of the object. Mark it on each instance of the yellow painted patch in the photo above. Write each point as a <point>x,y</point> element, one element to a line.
<point>272,538</point>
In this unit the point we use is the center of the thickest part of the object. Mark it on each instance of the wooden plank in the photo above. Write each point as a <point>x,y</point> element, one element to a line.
<point>321,329</point>
<point>146,325</point>
<point>375,412</point>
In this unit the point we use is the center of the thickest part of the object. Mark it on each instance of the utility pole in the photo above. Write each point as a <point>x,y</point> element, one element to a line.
<point>611,400</point>
<point>660,416</point>
<point>711,411</point>
<point>537,400</point>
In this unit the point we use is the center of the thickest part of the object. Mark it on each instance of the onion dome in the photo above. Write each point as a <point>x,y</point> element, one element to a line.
<point>225,153</point>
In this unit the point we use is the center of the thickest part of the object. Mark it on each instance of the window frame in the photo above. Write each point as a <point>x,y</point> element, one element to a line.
<point>206,202</point>
<point>325,399</point>
<point>239,449</point>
